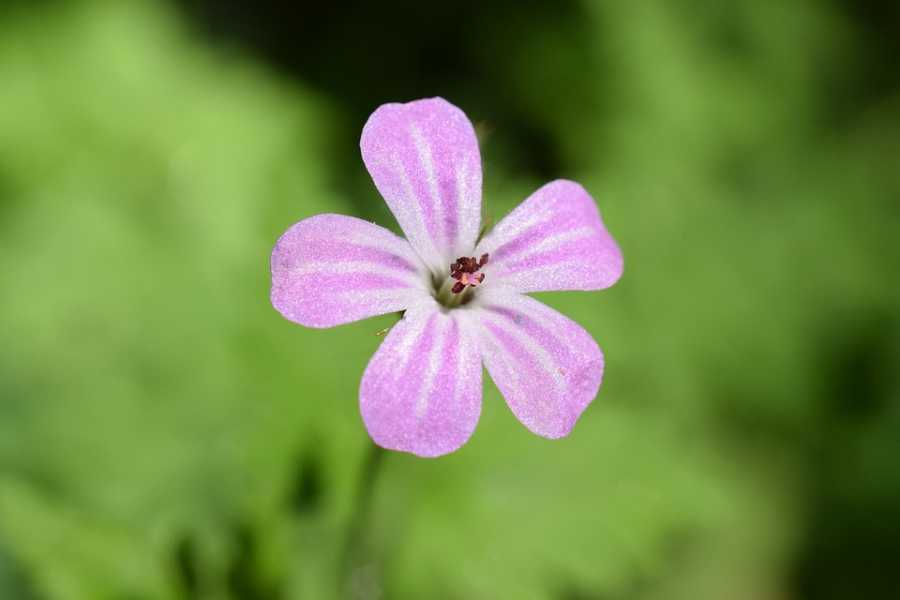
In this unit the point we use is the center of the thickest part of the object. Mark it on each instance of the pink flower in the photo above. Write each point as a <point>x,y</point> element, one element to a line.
<point>464,299</point>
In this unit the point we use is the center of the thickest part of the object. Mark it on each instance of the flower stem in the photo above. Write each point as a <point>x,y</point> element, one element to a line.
<point>358,528</point>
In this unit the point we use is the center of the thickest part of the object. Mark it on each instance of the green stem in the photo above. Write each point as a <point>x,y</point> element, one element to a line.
<point>358,528</point>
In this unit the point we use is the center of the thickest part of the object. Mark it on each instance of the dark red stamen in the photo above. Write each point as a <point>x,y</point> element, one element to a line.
<point>466,272</point>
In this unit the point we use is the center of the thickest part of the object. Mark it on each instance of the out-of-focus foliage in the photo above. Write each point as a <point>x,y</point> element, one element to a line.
<point>165,434</point>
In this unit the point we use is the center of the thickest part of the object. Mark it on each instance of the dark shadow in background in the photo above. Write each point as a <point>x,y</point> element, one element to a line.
<point>361,54</point>
<point>872,74</point>
<point>853,535</point>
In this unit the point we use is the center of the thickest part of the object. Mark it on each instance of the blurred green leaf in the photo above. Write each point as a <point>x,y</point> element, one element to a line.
<point>164,433</point>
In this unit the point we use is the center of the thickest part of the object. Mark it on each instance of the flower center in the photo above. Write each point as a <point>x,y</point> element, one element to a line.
<point>466,272</point>
<point>465,275</point>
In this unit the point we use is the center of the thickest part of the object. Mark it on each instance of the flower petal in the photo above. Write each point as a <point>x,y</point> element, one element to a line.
<point>421,392</point>
<point>554,240</point>
<point>424,159</point>
<point>331,269</point>
<point>546,366</point>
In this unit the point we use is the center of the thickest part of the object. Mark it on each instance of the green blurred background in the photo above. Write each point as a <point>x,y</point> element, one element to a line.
<point>165,434</point>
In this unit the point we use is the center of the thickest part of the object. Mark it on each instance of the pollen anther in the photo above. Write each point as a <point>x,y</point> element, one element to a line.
<point>466,272</point>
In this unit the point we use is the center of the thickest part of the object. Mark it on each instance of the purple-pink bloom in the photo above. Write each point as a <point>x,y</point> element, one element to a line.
<point>464,299</point>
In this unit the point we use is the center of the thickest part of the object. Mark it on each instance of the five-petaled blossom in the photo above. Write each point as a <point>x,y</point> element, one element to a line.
<point>463,298</point>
